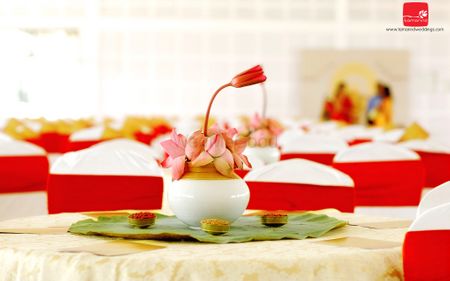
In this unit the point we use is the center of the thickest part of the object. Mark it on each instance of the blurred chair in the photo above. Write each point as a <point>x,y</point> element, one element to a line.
<point>299,184</point>
<point>426,249</point>
<point>357,134</point>
<point>85,138</point>
<point>288,136</point>
<point>88,137</point>
<point>110,176</point>
<point>316,148</point>
<point>435,157</point>
<point>23,167</point>
<point>384,174</point>
<point>127,144</point>
<point>437,196</point>
<point>389,136</point>
<point>23,178</point>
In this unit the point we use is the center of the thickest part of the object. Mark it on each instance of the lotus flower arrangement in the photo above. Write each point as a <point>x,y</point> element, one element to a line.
<point>204,183</point>
<point>261,131</point>
<point>218,148</point>
<point>214,146</point>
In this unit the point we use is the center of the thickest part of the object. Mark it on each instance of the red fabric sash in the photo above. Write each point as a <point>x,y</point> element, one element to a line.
<point>241,173</point>
<point>437,167</point>
<point>426,255</point>
<point>145,138</point>
<point>23,173</point>
<point>324,158</point>
<point>51,142</point>
<point>36,141</point>
<point>81,193</point>
<point>55,142</point>
<point>293,196</point>
<point>79,145</point>
<point>386,183</point>
<point>358,141</point>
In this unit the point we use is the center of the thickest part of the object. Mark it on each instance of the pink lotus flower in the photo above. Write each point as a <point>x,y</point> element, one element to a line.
<point>219,146</point>
<point>262,131</point>
<point>254,75</point>
<point>224,152</point>
<point>175,147</point>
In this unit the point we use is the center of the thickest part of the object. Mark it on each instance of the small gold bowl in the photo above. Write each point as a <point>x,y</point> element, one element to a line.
<point>274,219</point>
<point>142,219</point>
<point>215,226</point>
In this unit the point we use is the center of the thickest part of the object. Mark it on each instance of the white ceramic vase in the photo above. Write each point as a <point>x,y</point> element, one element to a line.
<point>194,198</point>
<point>268,154</point>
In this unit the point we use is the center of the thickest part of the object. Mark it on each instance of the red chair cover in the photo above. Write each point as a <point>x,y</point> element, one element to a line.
<point>324,158</point>
<point>54,142</point>
<point>294,196</point>
<point>23,173</point>
<point>79,145</point>
<point>386,183</point>
<point>437,167</point>
<point>426,255</point>
<point>36,141</point>
<point>79,193</point>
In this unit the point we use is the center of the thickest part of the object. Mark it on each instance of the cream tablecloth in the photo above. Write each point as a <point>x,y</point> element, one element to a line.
<point>37,257</point>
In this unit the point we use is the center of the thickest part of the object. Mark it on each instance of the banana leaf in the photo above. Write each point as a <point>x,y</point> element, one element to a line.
<point>246,228</point>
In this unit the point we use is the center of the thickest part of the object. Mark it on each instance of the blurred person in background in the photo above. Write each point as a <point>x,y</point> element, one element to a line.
<point>340,106</point>
<point>379,109</point>
<point>373,104</point>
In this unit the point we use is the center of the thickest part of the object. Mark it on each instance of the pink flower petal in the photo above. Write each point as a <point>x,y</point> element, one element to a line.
<point>240,145</point>
<point>179,139</point>
<point>245,160</point>
<point>214,130</point>
<point>237,161</point>
<point>215,145</point>
<point>228,156</point>
<point>202,159</point>
<point>231,132</point>
<point>228,141</point>
<point>223,167</point>
<point>256,121</point>
<point>256,68</point>
<point>173,149</point>
<point>166,163</point>
<point>195,145</point>
<point>178,167</point>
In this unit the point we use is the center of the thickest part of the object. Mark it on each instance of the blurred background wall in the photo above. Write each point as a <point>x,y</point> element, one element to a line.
<point>69,58</point>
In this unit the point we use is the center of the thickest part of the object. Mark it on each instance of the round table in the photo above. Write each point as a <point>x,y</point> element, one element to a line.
<point>39,256</point>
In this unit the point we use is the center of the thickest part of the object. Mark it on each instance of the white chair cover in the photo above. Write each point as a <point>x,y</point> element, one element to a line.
<point>20,148</point>
<point>374,152</point>
<point>107,160</point>
<point>437,218</point>
<point>391,136</point>
<point>300,171</point>
<point>428,145</point>
<point>437,196</point>
<point>89,134</point>
<point>314,144</point>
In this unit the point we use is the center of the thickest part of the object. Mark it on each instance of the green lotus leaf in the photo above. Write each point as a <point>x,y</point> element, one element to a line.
<point>246,228</point>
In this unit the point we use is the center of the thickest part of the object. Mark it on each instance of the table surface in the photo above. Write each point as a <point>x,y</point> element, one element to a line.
<point>39,256</point>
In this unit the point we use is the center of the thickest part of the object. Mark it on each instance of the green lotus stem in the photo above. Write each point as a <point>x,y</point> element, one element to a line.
<point>205,125</point>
